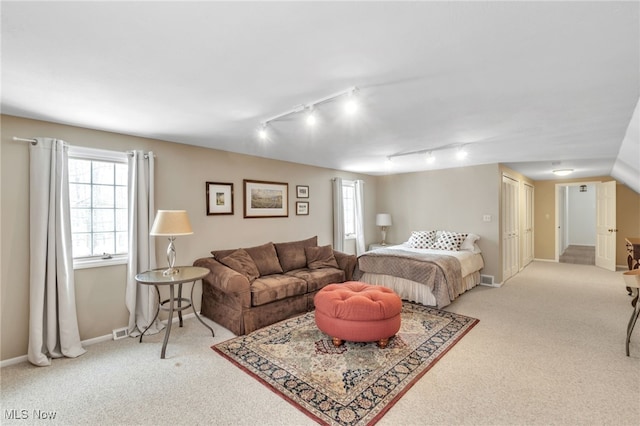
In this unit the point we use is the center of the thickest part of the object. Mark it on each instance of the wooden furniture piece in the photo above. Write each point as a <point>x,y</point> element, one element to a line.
<point>156,278</point>
<point>632,280</point>
<point>633,252</point>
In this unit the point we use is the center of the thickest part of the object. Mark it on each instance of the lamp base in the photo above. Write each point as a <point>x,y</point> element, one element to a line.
<point>170,271</point>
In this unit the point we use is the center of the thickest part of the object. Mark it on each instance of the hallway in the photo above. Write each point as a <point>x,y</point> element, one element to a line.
<point>582,255</point>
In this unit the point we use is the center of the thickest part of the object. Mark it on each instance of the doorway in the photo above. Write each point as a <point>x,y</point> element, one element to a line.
<point>576,223</point>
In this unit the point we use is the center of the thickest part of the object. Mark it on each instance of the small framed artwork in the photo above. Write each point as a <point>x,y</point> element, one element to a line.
<point>302,191</point>
<point>219,198</point>
<point>265,199</point>
<point>302,208</point>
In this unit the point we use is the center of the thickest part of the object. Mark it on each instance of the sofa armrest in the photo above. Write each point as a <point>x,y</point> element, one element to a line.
<point>226,280</point>
<point>346,262</point>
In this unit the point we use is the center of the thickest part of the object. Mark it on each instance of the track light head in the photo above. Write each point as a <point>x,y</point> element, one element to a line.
<point>462,153</point>
<point>311,118</point>
<point>430,158</point>
<point>351,104</point>
<point>262,133</point>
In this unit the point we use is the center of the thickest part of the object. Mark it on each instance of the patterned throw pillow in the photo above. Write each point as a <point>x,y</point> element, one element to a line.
<point>449,241</point>
<point>422,239</point>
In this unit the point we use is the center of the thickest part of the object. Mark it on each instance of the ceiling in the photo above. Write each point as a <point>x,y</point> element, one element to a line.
<point>535,85</point>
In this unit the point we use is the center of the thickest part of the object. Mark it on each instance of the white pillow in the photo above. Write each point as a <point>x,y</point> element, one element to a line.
<point>469,242</point>
<point>449,241</point>
<point>422,239</point>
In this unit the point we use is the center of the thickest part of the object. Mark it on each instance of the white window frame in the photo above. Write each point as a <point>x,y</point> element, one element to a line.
<point>84,153</point>
<point>351,185</point>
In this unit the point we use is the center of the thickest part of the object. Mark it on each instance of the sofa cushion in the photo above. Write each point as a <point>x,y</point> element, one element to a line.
<point>318,278</point>
<point>276,287</point>
<point>320,257</point>
<point>291,255</point>
<point>240,261</point>
<point>265,258</point>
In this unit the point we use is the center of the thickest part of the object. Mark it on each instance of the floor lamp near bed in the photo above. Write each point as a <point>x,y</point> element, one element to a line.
<point>383,220</point>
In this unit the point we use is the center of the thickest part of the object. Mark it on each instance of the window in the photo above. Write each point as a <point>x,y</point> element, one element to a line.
<point>349,204</point>
<point>98,194</point>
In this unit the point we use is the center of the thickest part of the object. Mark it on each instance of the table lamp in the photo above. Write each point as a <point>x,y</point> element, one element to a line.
<point>383,220</point>
<point>171,223</point>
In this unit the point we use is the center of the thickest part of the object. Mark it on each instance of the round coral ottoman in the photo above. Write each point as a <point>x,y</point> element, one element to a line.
<point>358,312</point>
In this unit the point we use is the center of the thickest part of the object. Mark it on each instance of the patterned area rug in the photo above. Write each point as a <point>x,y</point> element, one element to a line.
<point>354,384</point>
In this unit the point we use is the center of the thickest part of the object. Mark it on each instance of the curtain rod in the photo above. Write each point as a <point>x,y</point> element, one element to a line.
<point>33,141</point>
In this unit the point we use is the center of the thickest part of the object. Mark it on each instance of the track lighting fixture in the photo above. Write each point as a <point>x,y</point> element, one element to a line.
<point>263,132</point>
<point>351,106</point>
<point>461,152</point>
<point>311,117</point>
<point>430,158</point>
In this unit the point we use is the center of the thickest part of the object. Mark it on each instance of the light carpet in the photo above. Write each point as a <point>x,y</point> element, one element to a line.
<point>356,383</point>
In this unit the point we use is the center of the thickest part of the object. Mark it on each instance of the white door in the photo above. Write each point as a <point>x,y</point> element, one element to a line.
<point>606,225</point>
<point>527,227</point>
<point>510,229</point>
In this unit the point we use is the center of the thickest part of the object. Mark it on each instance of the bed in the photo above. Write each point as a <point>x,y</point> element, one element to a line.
<point>430,274</point>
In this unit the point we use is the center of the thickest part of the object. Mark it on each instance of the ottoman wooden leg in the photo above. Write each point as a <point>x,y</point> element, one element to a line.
<point>336,342</point>
<point>382,343</point>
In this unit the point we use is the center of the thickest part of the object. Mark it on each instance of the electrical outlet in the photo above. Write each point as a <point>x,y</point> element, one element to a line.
<point>486,218</point>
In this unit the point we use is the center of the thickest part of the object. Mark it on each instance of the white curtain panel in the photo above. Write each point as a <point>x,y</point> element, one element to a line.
<point>338,215</point>
<point>359,208</point>
<point>53,321</point>
<point>141,300</point>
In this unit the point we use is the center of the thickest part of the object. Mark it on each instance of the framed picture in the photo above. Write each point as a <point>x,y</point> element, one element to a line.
<point>265,199</point>
<point>302,208</point>
<point>219,198</point>
<point>302,191</point>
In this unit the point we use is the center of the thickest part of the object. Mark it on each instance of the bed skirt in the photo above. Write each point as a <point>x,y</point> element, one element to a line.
<point>414,291</point>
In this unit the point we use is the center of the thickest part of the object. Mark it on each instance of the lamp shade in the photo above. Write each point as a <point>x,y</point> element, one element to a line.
<point>383,219</point>
<point>171,223</point>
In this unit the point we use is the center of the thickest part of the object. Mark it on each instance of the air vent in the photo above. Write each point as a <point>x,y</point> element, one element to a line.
<point>120,333</point>
<point>487,279</point>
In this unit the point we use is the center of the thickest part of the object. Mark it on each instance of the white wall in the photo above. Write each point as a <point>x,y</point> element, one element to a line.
<point>581,216</point>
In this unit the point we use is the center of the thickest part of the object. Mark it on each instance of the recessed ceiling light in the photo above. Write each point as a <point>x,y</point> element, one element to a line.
<point>563,172</point>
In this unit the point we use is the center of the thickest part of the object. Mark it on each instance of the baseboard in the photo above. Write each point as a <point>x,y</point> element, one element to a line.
<point>88,342</point>
<point>494,285</point>
<point>545,260</point>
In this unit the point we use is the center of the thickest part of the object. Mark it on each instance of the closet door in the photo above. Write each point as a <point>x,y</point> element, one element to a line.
<point>606,225</point>
<point>510,239</point>
<point>527,226</point>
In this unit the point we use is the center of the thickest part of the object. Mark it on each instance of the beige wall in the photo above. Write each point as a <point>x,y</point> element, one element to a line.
<point>627,216</point>
<point>452,199</point>
<point>181,173</point>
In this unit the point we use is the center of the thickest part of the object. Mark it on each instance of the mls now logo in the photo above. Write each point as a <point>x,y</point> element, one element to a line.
<point>25,415</point>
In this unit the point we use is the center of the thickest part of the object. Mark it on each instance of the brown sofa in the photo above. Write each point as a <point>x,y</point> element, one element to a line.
<point>250,288</point>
